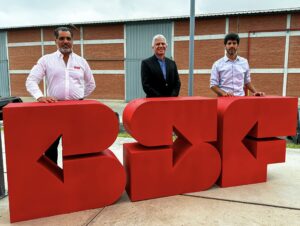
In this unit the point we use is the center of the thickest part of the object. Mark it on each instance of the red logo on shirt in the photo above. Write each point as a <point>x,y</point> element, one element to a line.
<point>76,67</point>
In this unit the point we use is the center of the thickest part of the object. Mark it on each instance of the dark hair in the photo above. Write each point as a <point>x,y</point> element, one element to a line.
<point>232,36</point>
<point>57,30</point>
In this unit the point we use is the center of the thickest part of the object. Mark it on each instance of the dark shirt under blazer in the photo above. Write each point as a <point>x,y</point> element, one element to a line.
<point>153,81</point>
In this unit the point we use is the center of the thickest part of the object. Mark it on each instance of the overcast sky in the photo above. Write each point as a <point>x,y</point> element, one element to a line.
<point>15,13</point>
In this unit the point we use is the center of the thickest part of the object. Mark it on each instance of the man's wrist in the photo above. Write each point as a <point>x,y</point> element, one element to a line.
<point>222,93</point>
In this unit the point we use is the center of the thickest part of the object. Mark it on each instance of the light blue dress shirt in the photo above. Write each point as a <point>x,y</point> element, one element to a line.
<point>230,76</point>
<point>162,64</point>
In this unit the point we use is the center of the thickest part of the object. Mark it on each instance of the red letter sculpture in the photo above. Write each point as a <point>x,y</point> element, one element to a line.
<point>91,177</point>
<point>156,166</point>
<point>247,131</point>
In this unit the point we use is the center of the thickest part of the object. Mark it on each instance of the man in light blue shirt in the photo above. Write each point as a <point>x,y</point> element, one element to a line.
<point>231,73</point>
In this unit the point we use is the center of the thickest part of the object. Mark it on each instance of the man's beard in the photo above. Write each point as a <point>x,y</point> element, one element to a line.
<point>231,52</point>
<point>64,50</point>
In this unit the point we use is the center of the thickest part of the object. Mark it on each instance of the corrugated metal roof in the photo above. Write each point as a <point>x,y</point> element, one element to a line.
<point>251,12</point>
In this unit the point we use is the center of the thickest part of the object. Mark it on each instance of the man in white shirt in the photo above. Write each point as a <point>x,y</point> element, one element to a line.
<point>231,73</point>
<point>68,76</point>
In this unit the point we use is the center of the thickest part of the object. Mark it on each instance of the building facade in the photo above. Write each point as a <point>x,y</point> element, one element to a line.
<point>270,40</point>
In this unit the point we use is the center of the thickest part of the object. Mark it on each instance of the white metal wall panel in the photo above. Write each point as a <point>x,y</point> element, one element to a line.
<point>4,76</point>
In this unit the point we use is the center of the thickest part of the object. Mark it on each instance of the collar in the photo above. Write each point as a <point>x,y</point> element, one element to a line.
<point>163,60</point>
<point>60,55</point>
<point>227,59</point>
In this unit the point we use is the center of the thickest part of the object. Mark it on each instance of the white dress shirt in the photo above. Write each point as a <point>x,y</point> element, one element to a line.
<point>64,82</point>
<point>230,76</point>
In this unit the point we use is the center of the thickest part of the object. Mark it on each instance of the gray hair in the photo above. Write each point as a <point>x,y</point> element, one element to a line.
<point>157,37</point>
<point>57,30</point>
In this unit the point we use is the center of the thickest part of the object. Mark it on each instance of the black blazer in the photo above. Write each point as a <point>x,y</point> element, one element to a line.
<point>153,81</point>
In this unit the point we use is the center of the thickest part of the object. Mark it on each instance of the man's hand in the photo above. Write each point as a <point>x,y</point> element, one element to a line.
<point>47,100</point>
<point>229,94</point>
<point>220,92</point>
<point>259,94</point>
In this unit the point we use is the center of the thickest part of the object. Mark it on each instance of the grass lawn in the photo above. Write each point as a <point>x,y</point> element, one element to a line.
<point>124,134</point>
<point>292,145</point>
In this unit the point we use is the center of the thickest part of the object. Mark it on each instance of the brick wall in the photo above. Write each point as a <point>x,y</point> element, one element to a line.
<point>24,35</point>
<point>262,52</point>
<point>51,49</point>
<point>293,85</point>
<point>295,21</point>
<point>294,52</point>
<point>106,57</point>
<point>267,52</point>
<point>245,23</point>
<point>271,84</point>
<point>23,58</point>
<point>201,86</point>
<point>109,87</point>
<point>18,88</point>
<point>104,51</point>
<point>184,85</point>
<point>206,26</point>
<point>103,31</point>
<point>206,52</point>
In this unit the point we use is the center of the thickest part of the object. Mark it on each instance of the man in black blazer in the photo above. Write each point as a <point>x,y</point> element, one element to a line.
<point>159,74</point>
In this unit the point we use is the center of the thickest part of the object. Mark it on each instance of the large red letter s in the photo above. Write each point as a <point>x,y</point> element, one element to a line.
<point>91,177</point>
<point>156,166</point>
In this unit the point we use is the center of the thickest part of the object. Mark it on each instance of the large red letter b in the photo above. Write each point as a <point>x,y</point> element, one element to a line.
<point>91,177</point>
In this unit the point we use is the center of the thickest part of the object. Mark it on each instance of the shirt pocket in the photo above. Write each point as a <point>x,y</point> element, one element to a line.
<point>76,73</point>
<point>240,72</point>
